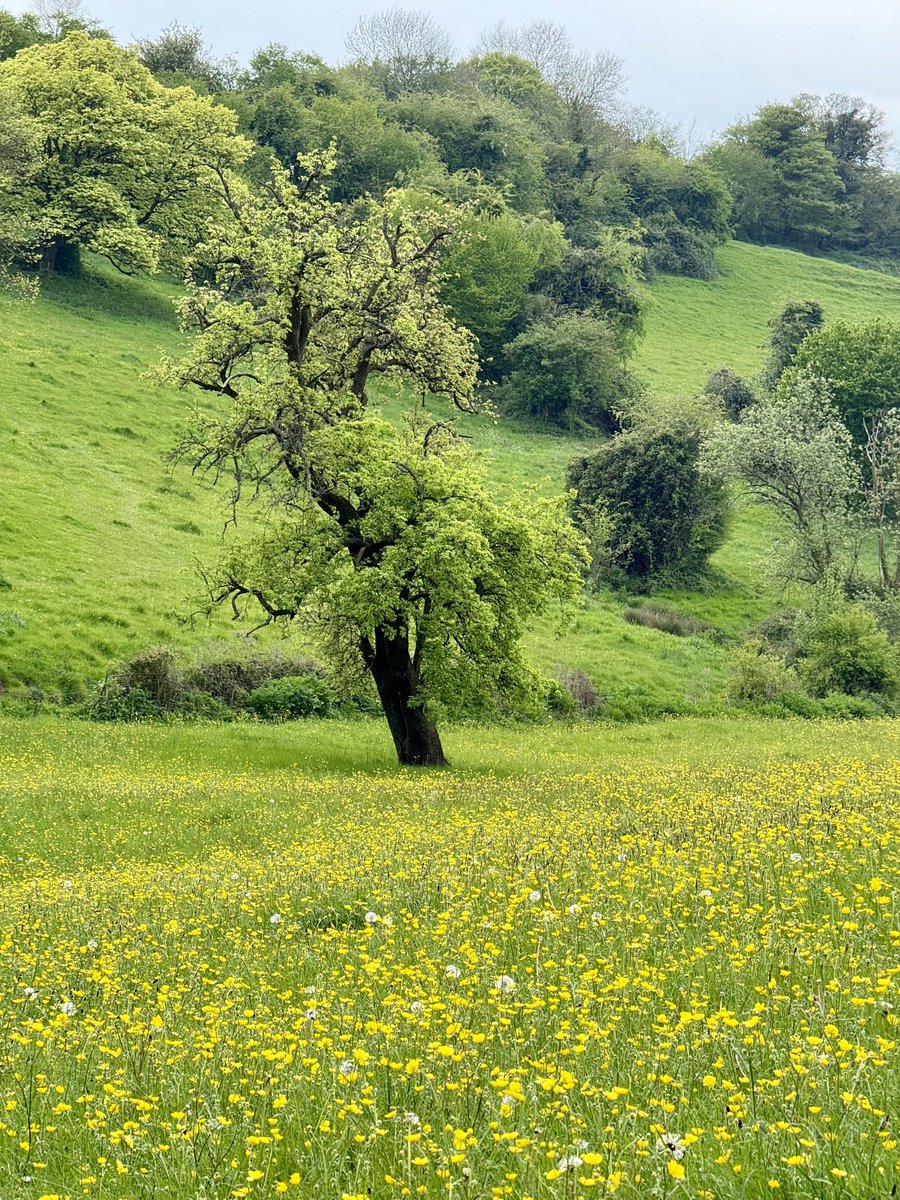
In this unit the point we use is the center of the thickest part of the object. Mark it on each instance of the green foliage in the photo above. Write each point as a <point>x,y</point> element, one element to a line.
<point>756,676</point>
<point>861,364</point>
<point>385,543</point>
<point>567,371</point>
<point>290,698</point>
<point>793,454</point>
<point>476,133</point>
<point>128,165</point>
<point>730,390</point>
<point>179,56</point>
<point>842,649</point>
<point>489,272</point>
<point>789,329</point>
<point>18,32</point>
<point>792,188</point>
<point>667,516</point>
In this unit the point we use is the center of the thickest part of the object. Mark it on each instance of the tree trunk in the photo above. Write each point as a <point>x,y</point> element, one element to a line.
<point>60,257</point>
<point>416,739</point>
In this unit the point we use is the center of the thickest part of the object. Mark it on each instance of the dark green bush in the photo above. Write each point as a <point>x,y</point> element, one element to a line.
<point>200,706</point>
<point>155,673</point>
<point>733,393</point>
<point>665,516</point>
<point>228,673</point>
<point>567,371</point>
<point>289,698</point>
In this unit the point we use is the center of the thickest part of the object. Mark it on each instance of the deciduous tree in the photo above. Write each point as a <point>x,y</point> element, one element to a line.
<point>127,165</point>
<point>385,542</point>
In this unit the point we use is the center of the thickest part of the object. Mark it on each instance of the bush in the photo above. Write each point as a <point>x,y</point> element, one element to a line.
<point>567,371</point>
<point>665,515</point>
<point>200,706</point>
<point>113,702</point>
<point>155,673</point>
<point>845,650</point>
<point>758,677</point>
<point>289,698</point>
<point>579,686</point>
<point>733,393</point>
<point>229,673</point>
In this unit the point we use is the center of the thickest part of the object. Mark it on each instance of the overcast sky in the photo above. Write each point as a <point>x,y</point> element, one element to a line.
<point>705,62</point>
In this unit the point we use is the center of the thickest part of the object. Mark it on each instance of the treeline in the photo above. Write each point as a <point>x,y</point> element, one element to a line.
<point>566,197</point>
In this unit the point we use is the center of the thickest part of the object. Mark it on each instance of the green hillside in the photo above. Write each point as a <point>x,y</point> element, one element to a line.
<point>98,539</point>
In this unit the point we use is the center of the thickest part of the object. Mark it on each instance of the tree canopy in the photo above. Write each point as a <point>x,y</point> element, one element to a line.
<point>126,165</point>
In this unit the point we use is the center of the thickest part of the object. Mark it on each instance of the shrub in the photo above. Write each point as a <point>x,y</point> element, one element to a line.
<point>580,687</point>
<point>845,650</point>
<point>289,698</point>
<point>155,673</point>
<point>229,673</point>
<point>567,371</point>
<point>112,702</point>
<point>665,515</point>
<point>790,328</point>
<point>200,706</point>
<point>758,677</point>
<point>733,393</point>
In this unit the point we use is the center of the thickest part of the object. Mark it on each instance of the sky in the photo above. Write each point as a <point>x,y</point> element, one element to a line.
<point>700,63</point>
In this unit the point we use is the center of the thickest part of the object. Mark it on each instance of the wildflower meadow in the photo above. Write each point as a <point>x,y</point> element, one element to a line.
<point>225,974</point>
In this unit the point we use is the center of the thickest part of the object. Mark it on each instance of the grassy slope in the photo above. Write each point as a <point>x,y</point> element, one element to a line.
<point>99,543</point>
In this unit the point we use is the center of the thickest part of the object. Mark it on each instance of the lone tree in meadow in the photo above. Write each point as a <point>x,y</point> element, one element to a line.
<point>384,542</point>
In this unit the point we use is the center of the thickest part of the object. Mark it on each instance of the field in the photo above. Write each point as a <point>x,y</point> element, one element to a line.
<point>99,539</point>
<point>653,962</point>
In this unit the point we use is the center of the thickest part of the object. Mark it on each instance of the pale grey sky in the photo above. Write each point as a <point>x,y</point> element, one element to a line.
<point>702,61</point>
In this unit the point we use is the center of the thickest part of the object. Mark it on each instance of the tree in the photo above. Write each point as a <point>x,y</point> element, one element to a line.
<point>882,451</point>
<point>180,56</point>
<point>802,188</point>
<point>18,32</point>
<point>796,321</point>
<point>386,543</point>
<point>489,272</point>
<point>862,366</point>
<point>590,84</point>
<point>793,454</point>
<point>127,165</point>
<point>567,370</point>
<point>405,50</point>
<point>665,515</point>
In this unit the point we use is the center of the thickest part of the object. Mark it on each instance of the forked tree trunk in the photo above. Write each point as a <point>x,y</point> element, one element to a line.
<point>416,739</point>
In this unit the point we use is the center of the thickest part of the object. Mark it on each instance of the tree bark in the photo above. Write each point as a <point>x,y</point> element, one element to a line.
<point>416,739</point>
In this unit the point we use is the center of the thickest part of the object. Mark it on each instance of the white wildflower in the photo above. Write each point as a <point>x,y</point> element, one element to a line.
<point>505,983</point>
<point>534,896</point>
<point>67,1007</point>
<point>347,1067</point>
<point>673,1143</point>
<point>571,1162</point>
<point>372,918</point>
<point>452,971</point>
<point>417,1007</point>
<point>795,857</point>
<point>30,993</point>
<point>275,919</point>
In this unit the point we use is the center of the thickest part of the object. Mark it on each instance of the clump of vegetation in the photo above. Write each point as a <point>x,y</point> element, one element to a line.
<point>729,390</point>
<point>290,698</point>
<point>758,676</point>
<point>667,517</point>
<point>842,649</point>
<point>667,620</point>
<point>568,371</point>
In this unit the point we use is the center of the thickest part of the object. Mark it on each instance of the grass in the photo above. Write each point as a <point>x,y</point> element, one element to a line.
<point>653,962</point>
<point>694,327</point>
<point>99,539</point>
